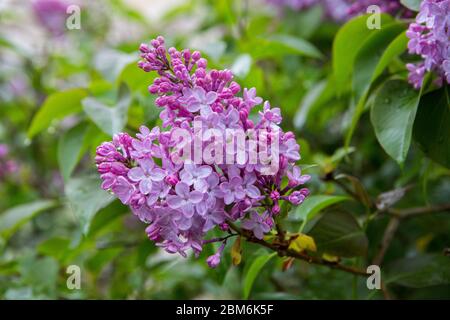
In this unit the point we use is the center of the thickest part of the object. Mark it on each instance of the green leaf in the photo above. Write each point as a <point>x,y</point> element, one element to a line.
<point>432,126</point>
<point>338,233</point>
<point>413,5</point>
<point>253,272</point>
<point>57,106</point>
<point>394,49</point>
<point>55,247</point>
<point>392,116</point>
<point>70,147</point>
<point>371,60</point>
<point>241,66</point>
<point>374,55</point>
<point>12,219</point>
<point>136,79</point>
<point>110,62</point>
<point>420,271</point>
<point>320,93</point>
<point>86,198</point>
<point>313,205</point>
<point>104,256</point>
<point>346,45</point>
<point>110,120</point>
<point>41,274</point>
<point>279,46</point>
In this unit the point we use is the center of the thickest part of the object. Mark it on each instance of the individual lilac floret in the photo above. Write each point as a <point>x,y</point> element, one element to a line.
<point>429,37</point>
<point>182,198</point>
<point>214,260</point>
<point>257,223</point>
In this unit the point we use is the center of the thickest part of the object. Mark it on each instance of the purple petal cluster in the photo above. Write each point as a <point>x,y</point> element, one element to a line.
<point>8,165</point>
<point>51,14</point>
<point>429,37</point>
<point>342,10</point>
<point>182,200</point>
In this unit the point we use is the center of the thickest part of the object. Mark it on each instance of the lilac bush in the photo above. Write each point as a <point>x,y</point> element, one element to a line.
<point>429,37</point>
<point>181,197</point>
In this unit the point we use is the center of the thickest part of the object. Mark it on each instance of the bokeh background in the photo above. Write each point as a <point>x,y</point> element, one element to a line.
<point>53,213</point>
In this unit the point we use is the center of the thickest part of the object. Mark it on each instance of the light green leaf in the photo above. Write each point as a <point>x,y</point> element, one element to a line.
<point>313,205</point>
<point>339,234</point>
<point>346,45</point>
<point>241,66</point>
<point>110,62</point>
<point>70,147</point>
<point>392,116</point>
<point>413,5</point>
<point>56,107</point>
<point>110,120</point>
<point>86,198</point>
<point>253,271</point>
<point>432,126</point>
<point>12,219</point>
<point>279,46</point>
<point>136,79</point>
<point>41,274</point>
<point>318,94</point>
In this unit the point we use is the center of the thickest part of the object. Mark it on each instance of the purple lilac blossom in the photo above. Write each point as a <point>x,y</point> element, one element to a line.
<point>429,37</point>
<point>8,166</point>
<point>181,202</point>
<point>342,10</point>
<point>51,14</point>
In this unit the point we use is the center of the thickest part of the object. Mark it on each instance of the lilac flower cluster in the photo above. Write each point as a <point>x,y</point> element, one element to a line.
<point>8,166</point>
<point>342,10</point>
<point>429,37</point>
<point>183,200</point>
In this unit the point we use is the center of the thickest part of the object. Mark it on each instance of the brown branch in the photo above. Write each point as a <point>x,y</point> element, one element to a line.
<point>413,212</point>
<point>283,250</point>
<point>389,233</point>
<point>394,223</point>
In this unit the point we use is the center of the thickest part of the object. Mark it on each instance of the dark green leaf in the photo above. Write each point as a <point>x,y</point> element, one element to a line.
<point>392,116</point>
<point>346,45</point>
<point>421,271</point>
<point>338,233</point>
<point>370,61</point>
<point>432,126</point>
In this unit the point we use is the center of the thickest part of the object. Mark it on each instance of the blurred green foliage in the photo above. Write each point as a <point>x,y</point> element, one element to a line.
<point>341,89</point>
